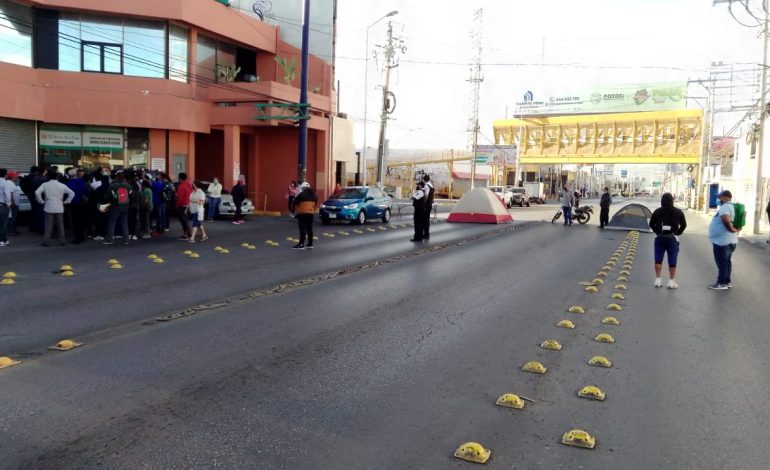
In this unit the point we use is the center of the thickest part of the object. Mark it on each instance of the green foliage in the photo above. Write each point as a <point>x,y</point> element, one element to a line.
<point>289,69</point>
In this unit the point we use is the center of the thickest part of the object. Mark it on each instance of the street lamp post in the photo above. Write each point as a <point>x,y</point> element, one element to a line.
<point>366,86</point>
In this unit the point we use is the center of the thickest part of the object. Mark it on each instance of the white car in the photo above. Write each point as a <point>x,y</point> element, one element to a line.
<point>227,206</point>
<point>503,193</point>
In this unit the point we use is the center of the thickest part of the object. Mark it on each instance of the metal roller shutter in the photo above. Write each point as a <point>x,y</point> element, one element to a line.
<point>17,144</point>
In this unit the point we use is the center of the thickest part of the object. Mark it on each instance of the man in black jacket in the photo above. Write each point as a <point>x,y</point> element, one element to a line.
<point>604,208</point>
<point>419,200</point>
<point>428,190</point>
<point>668,223</point>
<point>239,195</point>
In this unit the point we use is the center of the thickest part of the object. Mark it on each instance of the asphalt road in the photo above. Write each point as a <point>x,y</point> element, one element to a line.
<point>394,364</point>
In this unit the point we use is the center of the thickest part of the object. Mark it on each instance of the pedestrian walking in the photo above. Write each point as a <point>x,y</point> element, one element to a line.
<point>604,208</point>
<point>239,195</point>
<point>183,192</point>
<point>419,201</point>
<point>13,217</point>
<point>567,199</point>
<point>429,194</point>
<point>52,196</point>
<point>291,195</point>
<point>214,193</point>
<point>145,209</point>
<point>196,213</point>
<point>668,223</point>
<point>305,205</point>
<point>77,206</point>
<point>576,194</point>
<point>118,197</point>
<point>724,240</point>
<point>6,202</point>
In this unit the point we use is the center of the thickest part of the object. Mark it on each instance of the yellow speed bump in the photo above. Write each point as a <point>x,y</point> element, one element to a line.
<point>371,230</point>
<point>251,247</point>
<point>592,393</point>
<point>627,266</point>
<point>67,273</point>
<point>604,338</point>
<point>8,362</point>
<point>566,324</point>
<point>473,452</point>
<point>225,251</point>
<point>578,438</point>
<point>610,321</point>
<point>158,260</point>
<point>116,266</point>
<point>187,252</point>
<point>382,228</point>
<point>245,245</point>
<point>601,274</point>
<point>535,367</point>
<point>152,257</point>
<point>621,287</point>
<point>65,267</point>
<point>358,231</point>
<point>66,345</point>
<point>622,279</point>
<point>7,282</point>
<point>614,307</point>
<point>592,289</point>
<point>113,261</point>
<point>551,344</point>
<point>597,280</point>
<point>576,309</point>
<point>509,400</point>
<point>269,242</point>
<point>194,255</point>
<point>219,248</point>
<point>625,272</point>
<point>9,275</point>
<point>599,361</point>
<point>618,296</point>
<point>607,267</point>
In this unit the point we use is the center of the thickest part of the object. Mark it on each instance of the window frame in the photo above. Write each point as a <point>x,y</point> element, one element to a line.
<point>101,45</point>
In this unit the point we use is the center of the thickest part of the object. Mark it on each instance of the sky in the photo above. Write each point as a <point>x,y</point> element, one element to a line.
<point>555,46</point>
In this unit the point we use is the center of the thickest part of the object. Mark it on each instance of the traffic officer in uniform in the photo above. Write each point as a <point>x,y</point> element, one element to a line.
<point>428,188</point>
<point>419,201</point>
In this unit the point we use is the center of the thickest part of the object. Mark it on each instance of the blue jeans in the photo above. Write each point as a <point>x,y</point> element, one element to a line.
<point>161,222</point>
<point>213,206</point>
<point>117,215</point>
<point>567,215</point>
<point>723,255</point>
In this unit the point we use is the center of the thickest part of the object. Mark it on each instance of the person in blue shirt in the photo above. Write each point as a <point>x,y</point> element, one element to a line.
<point>77,206</point>
<point>724,239</point>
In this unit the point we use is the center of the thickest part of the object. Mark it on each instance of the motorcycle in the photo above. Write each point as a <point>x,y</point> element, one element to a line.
<point>581,214</point>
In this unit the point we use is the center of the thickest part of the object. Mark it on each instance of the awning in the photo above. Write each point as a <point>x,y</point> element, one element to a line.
<point>466,175</point>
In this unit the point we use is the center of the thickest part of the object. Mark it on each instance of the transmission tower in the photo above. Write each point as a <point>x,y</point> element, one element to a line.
<point>475,80</point>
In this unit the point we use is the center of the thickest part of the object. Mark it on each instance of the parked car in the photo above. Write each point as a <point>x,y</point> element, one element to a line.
<point>227,206</point>
<point>503,193</point>
<point>356,204</point>
<point>520,197</point>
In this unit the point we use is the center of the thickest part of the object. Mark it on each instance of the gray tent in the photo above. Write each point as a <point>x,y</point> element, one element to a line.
<point>631,217</point>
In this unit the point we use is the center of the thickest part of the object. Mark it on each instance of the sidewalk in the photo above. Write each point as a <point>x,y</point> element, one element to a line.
<point>758,241</point>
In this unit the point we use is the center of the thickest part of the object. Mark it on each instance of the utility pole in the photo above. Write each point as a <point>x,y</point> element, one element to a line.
<point>388,99</point>
<point>475,80</point>
<point>303,100</point>
<point>760,187</point>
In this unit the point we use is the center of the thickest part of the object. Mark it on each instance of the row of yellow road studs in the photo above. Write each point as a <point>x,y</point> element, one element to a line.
<point>476,452</point>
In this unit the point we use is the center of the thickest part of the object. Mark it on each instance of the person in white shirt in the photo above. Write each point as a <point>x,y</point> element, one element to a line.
<point>196,212</point>
<point>214,197</point>
<point>56,196</point>
<point>6,201</point>
<point>13,218</point>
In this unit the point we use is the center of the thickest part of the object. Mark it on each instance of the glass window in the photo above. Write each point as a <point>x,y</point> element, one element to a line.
<point>92,58</point>
<point>178,53</point>
<point>113,56</point>
<point>15,33</point>
<point>138,148</point>
<point>144,48</point>
<point>225,57</point>
<point>101,29</point>
<point>205,57</point>
<point>105,58</point>
<point>69,42</point>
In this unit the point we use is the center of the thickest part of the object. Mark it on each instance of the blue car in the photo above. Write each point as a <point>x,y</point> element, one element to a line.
<point>356,204</point>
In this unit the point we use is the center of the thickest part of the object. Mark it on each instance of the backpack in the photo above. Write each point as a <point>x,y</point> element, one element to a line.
<point>168,193</point>
<point>121,195</point>
<point>739,221</point>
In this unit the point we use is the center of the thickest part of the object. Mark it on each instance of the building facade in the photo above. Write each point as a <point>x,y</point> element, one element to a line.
<point>177,85</point>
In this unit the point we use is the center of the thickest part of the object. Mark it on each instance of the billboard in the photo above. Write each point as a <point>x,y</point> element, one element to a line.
<point>603,99</point>
<point>496,154</point>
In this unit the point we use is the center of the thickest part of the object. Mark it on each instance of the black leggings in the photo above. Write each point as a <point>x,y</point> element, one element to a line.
<point>305,222</point>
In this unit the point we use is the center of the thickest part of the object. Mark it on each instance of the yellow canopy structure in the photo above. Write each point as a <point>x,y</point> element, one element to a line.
<point>649,137</point>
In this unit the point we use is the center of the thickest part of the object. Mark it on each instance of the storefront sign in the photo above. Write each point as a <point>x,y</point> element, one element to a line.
<point>99,140</point>
<point>60,139</point>
<point>496,154</point>
<point>609,99</point>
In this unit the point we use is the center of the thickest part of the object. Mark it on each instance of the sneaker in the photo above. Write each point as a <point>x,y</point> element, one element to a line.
<point>718,287</point>
<point>729,285</point>
<point>191,240</point>
<point>166,229</point>
<point>309,247</point>
<point>672,284</point>
<point>4,243</point>
<point>133,237</point>
<point>99,238</point>
<point>298,246</point>
<point>119,236</point>
<point>145,236</point>
<point>107,242</point>
<point>235,222</point>
<point>183,238</point>
<point>205,237</point>
<point>658,282</point>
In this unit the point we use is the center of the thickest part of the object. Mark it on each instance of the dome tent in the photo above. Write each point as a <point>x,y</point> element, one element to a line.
<point>480,206</point>
<point>631,217</point>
